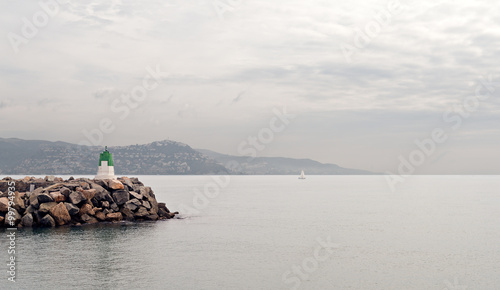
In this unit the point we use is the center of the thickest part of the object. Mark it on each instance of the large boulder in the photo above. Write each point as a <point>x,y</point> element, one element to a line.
<point>127,214</point>
<point>44,197</point>
<point>72,209</point>
<point>152,217</point>
<point>100,216</point>
<point>77,197</point>
<point>145,190</point>
<point>47,221</point>
<point>141,212</point>
<point>101,182</point>
<point>60,214</point>
<point>46,207</point>
<point>33,200</point>
<point>114,207</point>
<point>87,209</point>
<point>135,180</point>
<point>30,209</point>
<point>84,185</point>
<point>98,188</point>
<point>162,205</point>
<point>65,191</point>
<point>57,196</point>
<point>116,216</point>
<point>131,205</point>
<point>27,220</point>
<point>115,184</point>
<point>154,204</point>
<point>89,193</point>
<point>127,182</point>
<point>162,212</point>
<point>37,216</point>
<point>4,204</point>
<point>120,197</point>
<point>85,218</point>
<point>134,194</point>
<point>92,220</point>
<point>103,195</point>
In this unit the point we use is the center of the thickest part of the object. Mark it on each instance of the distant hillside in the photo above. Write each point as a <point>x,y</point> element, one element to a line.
<point>36,157</point>
<point>280,165</point>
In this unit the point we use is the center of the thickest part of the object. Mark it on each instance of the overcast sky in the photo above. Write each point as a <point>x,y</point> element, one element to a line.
<point>363,79</point>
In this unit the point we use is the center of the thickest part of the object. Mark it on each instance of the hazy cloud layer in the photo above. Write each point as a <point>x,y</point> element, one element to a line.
<point>225,71</point>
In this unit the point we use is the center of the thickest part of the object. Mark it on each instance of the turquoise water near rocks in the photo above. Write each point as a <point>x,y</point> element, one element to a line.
<point>262,232</point>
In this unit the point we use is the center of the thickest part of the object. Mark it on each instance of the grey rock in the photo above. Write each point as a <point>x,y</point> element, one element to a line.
<point>114,207</point>
<point>46,207</point>
<point>44,197</point>
<point>136,187</point>
<point>141,212</point>
<point>162,212</point>
<point>152,217</point>
<point>72,209</point>
<point>77,197</point>
<point>65,191</point>
<point>146,204</point>
<point>120,197</point>
<point>98,188</point>
<point>136,195</point>
<point>127,214</point>
<point>47,221</point>
<point>27,220</point>
<point>154,205</point>
<point>144,191</point>
<point>130,205</point>
<point>163,205</point>
<point>86,217</point>
<point>31,209</point>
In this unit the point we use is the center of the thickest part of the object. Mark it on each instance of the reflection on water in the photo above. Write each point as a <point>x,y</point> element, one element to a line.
<point>110,255</point>
<point>433,230</point>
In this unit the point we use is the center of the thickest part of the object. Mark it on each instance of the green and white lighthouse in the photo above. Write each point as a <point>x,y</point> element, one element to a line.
<point>106,168</point>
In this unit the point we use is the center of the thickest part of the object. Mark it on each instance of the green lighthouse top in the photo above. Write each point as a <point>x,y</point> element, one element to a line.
<point>106,156</point>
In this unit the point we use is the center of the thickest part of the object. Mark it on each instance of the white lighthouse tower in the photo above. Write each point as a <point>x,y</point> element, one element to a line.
<point>106,168</point>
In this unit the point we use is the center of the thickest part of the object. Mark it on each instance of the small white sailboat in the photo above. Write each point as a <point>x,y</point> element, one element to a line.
<point>302,176</point>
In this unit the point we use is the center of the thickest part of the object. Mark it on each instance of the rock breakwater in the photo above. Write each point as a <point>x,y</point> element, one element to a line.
<point>52,201</point>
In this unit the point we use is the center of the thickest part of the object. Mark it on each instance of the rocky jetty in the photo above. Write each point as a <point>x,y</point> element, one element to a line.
<point>50,202</point>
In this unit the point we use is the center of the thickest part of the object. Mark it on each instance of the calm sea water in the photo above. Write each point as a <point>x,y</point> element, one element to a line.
<point>262,232</point>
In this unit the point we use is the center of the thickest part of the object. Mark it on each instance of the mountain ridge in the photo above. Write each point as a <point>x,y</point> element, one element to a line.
<point>279,165</point>
<point>165,157</point>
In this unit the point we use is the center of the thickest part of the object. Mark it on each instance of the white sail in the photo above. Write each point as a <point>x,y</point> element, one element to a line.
<point>302,175</point>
